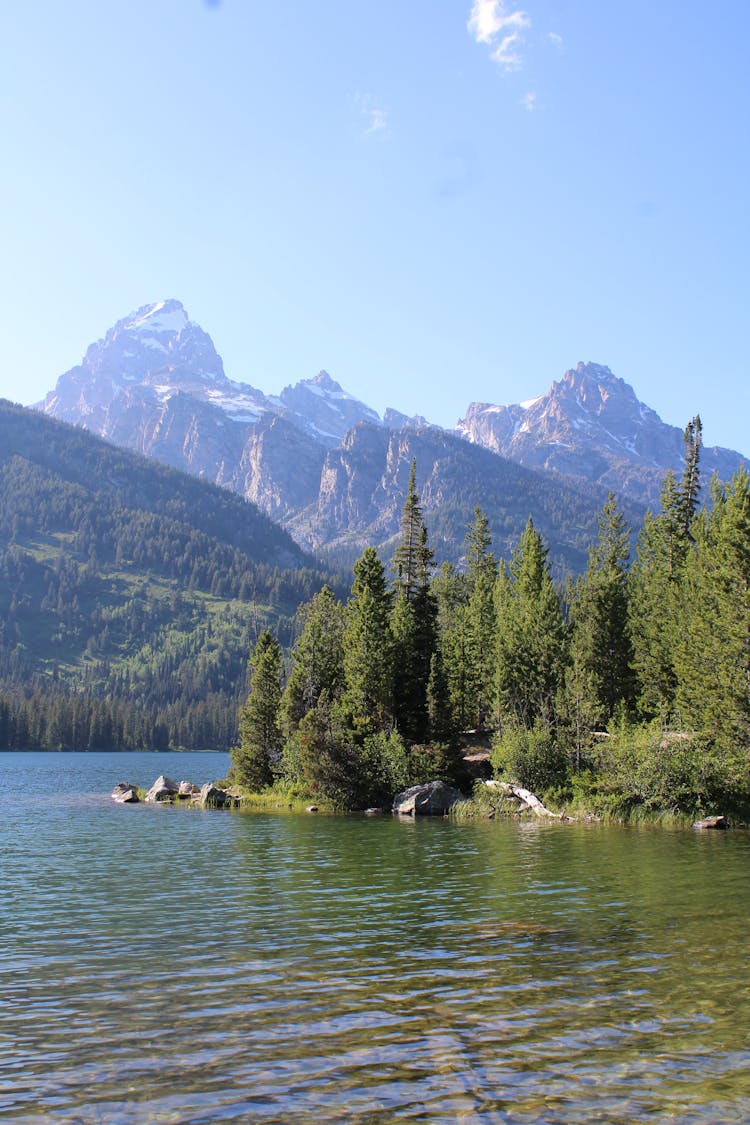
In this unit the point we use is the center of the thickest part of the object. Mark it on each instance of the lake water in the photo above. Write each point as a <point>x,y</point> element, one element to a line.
<point>175,965</point>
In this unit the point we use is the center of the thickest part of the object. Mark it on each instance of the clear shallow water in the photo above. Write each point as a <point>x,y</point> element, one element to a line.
<point>173,965</point>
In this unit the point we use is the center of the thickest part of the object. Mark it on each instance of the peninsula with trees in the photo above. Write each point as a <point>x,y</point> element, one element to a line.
<point>625,693</point>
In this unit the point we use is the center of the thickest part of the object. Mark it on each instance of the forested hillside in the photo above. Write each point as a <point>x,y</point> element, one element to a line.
<point>130,594</point>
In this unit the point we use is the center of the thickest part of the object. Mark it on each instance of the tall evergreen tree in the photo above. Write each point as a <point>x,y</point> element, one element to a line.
<point>317,658</point>
<point>712,652</point>
<point>692,439</point>
<point>450,590</point>
<point>256,757</point>
<point>481,574</point>
<point>414,620</point>
<point>530,640</point>
<point>368,646</point>
<point>654,591</point>
<point>601,644</point>
<point>413,558</point>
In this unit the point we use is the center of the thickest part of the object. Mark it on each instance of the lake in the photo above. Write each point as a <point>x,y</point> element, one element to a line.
<point>176,965</point>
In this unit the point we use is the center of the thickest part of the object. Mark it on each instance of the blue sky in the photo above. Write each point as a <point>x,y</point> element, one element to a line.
<point>437,201</point>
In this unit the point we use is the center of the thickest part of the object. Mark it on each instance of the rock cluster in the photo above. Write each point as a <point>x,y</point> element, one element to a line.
<point>165,790</point>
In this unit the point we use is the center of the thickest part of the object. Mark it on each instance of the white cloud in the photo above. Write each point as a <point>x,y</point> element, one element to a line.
<point>375,116</point>
<point>556,40</point>
<point>528,101</point>
<point>490,21</point>
<point>378,120</point>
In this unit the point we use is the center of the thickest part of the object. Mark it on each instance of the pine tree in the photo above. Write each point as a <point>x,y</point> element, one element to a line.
<point>317,659</point>
<point>412,559</point>
<point>450,590</point>
<point>530,639</point>
<point>601,643</point>
<point>712,653</point>
<point>256,758</point>
<point>414,620</point>
<point>654,591</point>
<point>439,717</point>
<point>481,575</point>
<point>692,439</point>
<point>368,647</point>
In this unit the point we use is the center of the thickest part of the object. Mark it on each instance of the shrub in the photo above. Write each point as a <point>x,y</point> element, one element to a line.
<point>532,758</point>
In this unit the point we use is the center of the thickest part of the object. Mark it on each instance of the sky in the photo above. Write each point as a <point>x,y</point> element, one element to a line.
<point>436,201</point>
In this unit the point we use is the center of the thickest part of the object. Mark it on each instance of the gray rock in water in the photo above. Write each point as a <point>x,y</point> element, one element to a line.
<point>213,797</point>
<point>434,798</point>
<point>712,822</point>
<point>163,789</point>
<point>125,793</point>
<point>187,789</point>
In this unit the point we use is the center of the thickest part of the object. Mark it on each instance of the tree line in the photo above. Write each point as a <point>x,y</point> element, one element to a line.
<point>628,688</point>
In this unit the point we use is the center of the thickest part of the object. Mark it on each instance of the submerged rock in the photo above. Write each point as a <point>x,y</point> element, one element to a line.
<point>163,789</point>
<point>434,798</point>
<point>125,793</point>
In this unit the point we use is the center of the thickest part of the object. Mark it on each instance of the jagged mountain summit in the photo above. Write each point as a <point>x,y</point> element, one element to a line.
<point>132,377</point>
<point>590,426</point>
<point>325,466</point>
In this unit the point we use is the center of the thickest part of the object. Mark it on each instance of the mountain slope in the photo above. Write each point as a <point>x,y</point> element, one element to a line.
<point>590,426</point>
<point>363,485</point>
<point>139,584</point>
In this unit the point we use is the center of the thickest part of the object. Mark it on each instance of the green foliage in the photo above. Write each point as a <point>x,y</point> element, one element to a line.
<point>257,758</point>
<point>530,635</point>
<point>368,646</point>
<point>712,650</point>
<point>413,622</point>
<point>532,757</point>
<point>657,770</point>
<point>601,643</point>
<point>317,658</point>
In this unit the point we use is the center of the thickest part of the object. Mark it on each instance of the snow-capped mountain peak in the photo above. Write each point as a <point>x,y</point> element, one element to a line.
<point>164,316</point>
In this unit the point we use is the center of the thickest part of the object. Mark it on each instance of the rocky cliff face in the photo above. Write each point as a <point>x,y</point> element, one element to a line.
<point>590,426</point>
<point>323,464</point>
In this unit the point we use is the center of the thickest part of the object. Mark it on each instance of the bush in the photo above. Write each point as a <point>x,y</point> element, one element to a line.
<point>532,758</point>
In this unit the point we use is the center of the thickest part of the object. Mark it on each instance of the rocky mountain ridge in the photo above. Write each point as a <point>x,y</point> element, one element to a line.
<point>324,465</point>
<point>591,426</point>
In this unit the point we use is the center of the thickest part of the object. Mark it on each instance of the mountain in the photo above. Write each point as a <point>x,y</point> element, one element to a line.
<point>590,426</point>
<point>363,484</point>
<point>325,466</point>
<point>126,382</point>
<point>133,582</point>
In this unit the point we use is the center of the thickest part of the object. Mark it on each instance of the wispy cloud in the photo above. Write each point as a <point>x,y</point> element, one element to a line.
<point>528,101</point>
<point>491,22</point>
<point>556,40</point>
<point>375,116</point>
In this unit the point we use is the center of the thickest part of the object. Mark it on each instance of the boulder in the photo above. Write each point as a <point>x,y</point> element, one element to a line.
<point>188,789</point>
<point>213,797</point>
<point>125,793</point>
<point>434,798</point>
<point>163,789</point>
<point>311,808</point>
<point>712,822</point>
